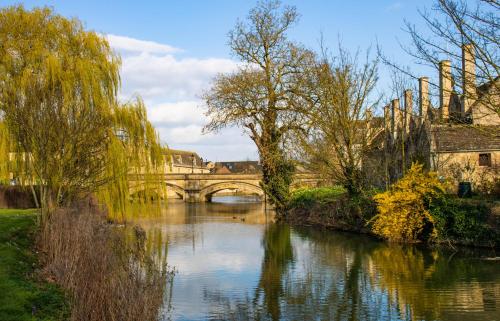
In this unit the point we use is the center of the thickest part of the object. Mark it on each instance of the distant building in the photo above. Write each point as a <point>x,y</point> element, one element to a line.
<point>185,162</point>
<point>238,167</point>
<point>243,167</point>
<point>221,170</point>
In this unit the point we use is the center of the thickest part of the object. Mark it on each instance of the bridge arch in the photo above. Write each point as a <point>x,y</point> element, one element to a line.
<point>207,192</point>
<point>176,189</point>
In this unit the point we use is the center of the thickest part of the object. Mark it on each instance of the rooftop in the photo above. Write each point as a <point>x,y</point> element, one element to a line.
<point>466,138</point>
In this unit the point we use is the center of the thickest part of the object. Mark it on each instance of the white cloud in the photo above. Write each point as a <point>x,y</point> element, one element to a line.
<point>184,135</point>
<point>122,43</point>
<point>179,113</point>
<point>168,78</point>
<point>171,87</point>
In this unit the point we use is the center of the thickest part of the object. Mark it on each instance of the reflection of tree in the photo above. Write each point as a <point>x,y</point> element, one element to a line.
<point>323,275</point>
<point>350,277</point>
<point>415,279</point>
<point>266,304</point>
<point>278,253</point>
<point>336,285</point>
<point>398,267</point>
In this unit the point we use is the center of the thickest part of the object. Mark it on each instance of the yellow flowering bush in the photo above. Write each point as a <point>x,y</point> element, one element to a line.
<point>403,211</point>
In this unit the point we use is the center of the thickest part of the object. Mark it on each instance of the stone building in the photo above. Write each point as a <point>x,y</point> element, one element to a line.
<point>185,162</point>
<point>238,167</point>
<point>460,138</point>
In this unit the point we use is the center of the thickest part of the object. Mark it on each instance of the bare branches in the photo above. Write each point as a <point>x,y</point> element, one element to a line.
<point>266,95</point>
<point>460,29</point>
<point>340,130</point>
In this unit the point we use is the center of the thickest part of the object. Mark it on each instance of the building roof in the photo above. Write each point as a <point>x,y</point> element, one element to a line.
<point>184,157</point>
<point>484,88</point>
<point>377,121</point>
<point>243,167</point>
<point>181,152</point>
<point>458,138</point>
<point>222,170</point>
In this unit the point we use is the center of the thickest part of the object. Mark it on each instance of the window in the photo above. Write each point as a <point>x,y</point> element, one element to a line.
<point>485,159</point>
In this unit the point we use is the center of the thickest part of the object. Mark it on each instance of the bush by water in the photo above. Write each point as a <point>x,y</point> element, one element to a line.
<point>107,274</point>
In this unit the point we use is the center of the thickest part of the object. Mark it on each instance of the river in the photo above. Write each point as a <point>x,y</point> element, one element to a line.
<point>233,262</point>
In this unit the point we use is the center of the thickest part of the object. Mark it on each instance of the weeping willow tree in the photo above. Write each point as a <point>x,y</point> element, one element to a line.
<point>4,154</point>
<point>135,158</point>
<point>58,102</point>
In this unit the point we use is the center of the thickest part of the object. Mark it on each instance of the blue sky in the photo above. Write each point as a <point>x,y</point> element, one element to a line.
<point>171,50</point>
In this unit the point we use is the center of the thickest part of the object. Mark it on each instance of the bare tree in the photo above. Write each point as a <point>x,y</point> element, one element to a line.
<point>264,96</point>
<point>341,132</point>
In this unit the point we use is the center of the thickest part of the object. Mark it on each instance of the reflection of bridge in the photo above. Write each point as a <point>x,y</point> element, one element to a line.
<point>200,187</point>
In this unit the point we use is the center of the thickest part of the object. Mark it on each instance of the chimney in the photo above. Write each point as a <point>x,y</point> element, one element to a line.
<point>388,123</point>
<point>368,119</point>
<point>423,85</point>
<point>408,109</point>
<point>368,115</point>
<point>387,117</point>
<point>445,88</point>
<point>396,112</point>
<point>468,77</point>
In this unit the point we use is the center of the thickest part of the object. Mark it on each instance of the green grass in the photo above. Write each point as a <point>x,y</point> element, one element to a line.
<point>22,295</point>
<point>308,196</point>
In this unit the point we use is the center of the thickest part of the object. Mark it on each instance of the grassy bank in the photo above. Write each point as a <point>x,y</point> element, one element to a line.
<point>330,207</point>
<point>23,296</point>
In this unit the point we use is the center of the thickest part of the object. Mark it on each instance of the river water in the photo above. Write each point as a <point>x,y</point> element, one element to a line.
<point>233,263</point>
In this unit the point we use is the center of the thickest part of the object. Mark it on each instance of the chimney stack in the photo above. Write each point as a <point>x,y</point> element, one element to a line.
<point>445,88</point>
<point>368,115</point>
<point>387,118</point>
<point>368,119</point>
<point>423,88</point>
<point>396,112</point>
<point>468,77</point>
<point>408,109</point>
<point>388,122</point>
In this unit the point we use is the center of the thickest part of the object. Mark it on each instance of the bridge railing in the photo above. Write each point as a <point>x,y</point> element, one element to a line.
<point>230,176</point>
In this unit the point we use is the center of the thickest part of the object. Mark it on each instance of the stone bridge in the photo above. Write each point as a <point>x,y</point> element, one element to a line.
<point>200,187</point>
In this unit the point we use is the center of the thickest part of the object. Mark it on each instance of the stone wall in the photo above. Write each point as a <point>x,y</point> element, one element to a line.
<point>465,167</point>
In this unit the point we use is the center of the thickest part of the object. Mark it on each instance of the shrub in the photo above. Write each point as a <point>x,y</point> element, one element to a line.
<point>402,211</point>
<point>461,220</point>
<point>106,272</point>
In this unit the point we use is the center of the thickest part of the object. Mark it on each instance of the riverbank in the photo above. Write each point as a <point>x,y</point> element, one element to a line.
<point>468,222</point>
<point>24,295</point>
<point>330,207</point>
<point>45,272</point>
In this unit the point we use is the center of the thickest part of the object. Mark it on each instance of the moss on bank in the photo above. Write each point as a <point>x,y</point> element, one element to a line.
<point>22,295</point>
<point>310,196</point>
<point>330,207</point>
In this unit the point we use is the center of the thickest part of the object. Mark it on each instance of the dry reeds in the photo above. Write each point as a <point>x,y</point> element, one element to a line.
<point>107,276</point>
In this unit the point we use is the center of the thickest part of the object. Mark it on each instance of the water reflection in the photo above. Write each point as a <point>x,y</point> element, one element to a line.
<point>233,263</point>
<point>278,254</point>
